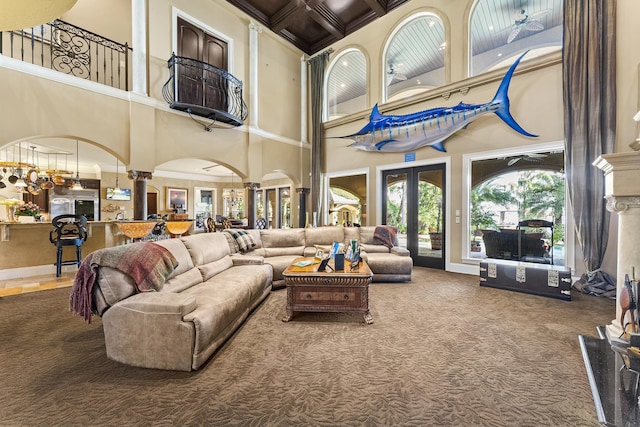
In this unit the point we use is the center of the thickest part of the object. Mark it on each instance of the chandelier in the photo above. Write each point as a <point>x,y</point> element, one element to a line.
<point>232,196</point>
<point>77,185</point>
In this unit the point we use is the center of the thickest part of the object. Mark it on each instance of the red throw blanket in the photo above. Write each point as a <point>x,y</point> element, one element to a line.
<point>147,263</point>
<point>386,235</point>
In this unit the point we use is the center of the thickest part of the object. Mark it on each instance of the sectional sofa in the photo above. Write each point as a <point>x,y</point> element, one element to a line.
<point>213,289</point>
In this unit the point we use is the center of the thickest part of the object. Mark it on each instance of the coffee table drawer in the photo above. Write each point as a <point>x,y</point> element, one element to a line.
<point>344,297</point>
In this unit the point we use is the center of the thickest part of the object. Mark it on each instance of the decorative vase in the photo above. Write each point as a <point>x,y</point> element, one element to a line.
<point>26,219</point>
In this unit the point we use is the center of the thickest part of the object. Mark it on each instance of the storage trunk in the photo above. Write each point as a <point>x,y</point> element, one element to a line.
<point>538,279</point>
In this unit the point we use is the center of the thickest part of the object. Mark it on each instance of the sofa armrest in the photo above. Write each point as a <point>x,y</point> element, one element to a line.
<point>247,260</point>
<point>156,302</point>
<point>397,250</point>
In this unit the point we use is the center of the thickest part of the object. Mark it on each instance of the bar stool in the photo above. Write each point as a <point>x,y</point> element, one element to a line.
<point>69,230</point>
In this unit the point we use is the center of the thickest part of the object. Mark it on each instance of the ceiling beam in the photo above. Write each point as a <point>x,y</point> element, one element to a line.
<point>286,15</point>
<point>249,9</point>
<point>328,20</point>
<point>378,6</point>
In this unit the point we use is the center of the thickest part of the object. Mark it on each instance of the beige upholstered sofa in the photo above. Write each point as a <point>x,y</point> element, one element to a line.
<point>213,290</point>
<point>280,246</point>
<point>201,304</point>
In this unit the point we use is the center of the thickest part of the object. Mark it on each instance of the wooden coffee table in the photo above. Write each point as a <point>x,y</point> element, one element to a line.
<point>333,291</point>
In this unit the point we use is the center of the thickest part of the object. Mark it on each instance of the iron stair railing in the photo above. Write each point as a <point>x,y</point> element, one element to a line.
<point>69,49</point>
<point>204,90</point>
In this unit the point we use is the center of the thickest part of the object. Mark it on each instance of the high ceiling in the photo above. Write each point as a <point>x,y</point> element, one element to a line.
<point>312,25</point>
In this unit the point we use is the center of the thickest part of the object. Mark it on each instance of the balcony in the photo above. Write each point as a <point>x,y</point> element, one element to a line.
<point>203,90</point>
<point>68,49</point>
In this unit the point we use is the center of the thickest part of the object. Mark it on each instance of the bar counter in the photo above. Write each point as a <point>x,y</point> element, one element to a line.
<point>27,244</point>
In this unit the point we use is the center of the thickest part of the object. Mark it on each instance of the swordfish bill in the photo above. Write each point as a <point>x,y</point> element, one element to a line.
<point>389,133</point>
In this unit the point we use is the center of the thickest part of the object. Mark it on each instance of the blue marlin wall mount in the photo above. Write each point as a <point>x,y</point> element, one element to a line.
<point>431,127</point>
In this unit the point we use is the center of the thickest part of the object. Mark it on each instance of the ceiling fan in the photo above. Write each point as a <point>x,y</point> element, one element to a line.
<point>394,74</point>
<point>525,21</point>
<point>531,157</point>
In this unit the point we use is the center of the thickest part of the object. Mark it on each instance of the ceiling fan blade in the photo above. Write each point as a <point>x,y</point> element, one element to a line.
<point>513,161</point>
<point>537,155</point>
<point>514,33</point>
<point>533,25</point>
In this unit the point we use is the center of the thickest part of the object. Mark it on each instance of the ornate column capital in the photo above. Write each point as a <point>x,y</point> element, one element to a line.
<point>303,191</point>
<point>138,175</point>
<point>255,27</point>
<point>622,203</point>
<point>251,185</point>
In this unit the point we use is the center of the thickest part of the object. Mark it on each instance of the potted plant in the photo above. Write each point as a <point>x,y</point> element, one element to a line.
<point>28,212</point>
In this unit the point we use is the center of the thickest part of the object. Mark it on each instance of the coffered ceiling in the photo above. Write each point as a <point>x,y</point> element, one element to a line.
<point>312,25</point>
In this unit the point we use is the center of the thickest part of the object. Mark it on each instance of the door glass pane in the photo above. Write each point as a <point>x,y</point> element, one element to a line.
<point>397,205</point>
<point>430,218</point>
<point>285,207</point>
<point>259,205</point>
<point>271,208</point>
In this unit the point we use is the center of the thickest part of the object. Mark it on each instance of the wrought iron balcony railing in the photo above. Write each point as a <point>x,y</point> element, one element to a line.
<point>66,48</point>
<point>203,90</point>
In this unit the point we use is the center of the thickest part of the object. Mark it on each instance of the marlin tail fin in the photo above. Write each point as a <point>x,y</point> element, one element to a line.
<point>502,99</point>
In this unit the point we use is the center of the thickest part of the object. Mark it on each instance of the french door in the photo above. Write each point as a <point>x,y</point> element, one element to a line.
<point>197,85</point>
<point>413,201</point>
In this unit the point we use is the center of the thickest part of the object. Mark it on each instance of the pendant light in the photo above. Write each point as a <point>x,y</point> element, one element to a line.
<point>117,189</point>
<point>20,184</point>
<point>77,185</point>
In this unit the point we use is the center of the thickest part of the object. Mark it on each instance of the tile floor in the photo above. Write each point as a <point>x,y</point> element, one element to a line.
<point>35,283</point>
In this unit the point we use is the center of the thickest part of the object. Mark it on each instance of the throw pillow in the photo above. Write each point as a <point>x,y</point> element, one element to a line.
<point>243,239</point>
<point>385,235</point>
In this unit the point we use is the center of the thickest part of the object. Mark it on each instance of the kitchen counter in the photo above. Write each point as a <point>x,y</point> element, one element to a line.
<point>24,246</point>
<point>27,244</point>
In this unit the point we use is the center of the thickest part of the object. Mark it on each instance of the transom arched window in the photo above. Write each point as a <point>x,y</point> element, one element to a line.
<point>346,84</point>
<point>502,29</point>
<point>414,57</point>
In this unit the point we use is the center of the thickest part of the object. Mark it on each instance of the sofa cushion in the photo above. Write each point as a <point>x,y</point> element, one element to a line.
<point>180,252</point>
<point>115,285</point>
<point>183,281</point>
<point>282,238</point>
<point>210,269</point>
<point>280,264</point>
<point>323,236</point>
<point>206,247</point>
<point>351,233</point>
<point>294,250</point>
<point>223,299</point>
<point>366,235</point>
<point>373,249</point>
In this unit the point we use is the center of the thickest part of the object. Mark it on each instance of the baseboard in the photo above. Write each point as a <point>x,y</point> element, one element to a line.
<point>38,270</point>
<point>472,269</point>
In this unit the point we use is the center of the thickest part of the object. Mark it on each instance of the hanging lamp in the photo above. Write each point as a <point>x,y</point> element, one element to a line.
<point>20,184</point>
<point>77,185</point>
<point>117,189</point>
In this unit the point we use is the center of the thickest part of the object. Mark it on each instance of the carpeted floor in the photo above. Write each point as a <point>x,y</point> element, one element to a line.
<point>443,351</point>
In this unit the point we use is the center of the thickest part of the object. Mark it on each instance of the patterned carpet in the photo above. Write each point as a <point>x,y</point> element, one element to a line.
<point>443,351</point>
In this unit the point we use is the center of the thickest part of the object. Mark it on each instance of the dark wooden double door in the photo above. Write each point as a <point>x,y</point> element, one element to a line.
<point>200,85</point>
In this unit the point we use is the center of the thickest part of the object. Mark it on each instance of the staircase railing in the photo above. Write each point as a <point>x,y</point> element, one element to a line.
<point>204,90</point>
<point>69,49</point>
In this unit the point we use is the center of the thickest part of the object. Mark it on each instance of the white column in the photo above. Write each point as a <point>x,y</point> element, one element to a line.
<point>304,112</point>
<point>254,30</point>
<point>139,40</point>
<point>622,193</point>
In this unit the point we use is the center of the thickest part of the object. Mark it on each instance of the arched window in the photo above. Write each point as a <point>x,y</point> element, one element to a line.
<point>414,57</point>
<point>346,84</point>
<point>502,29</point>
